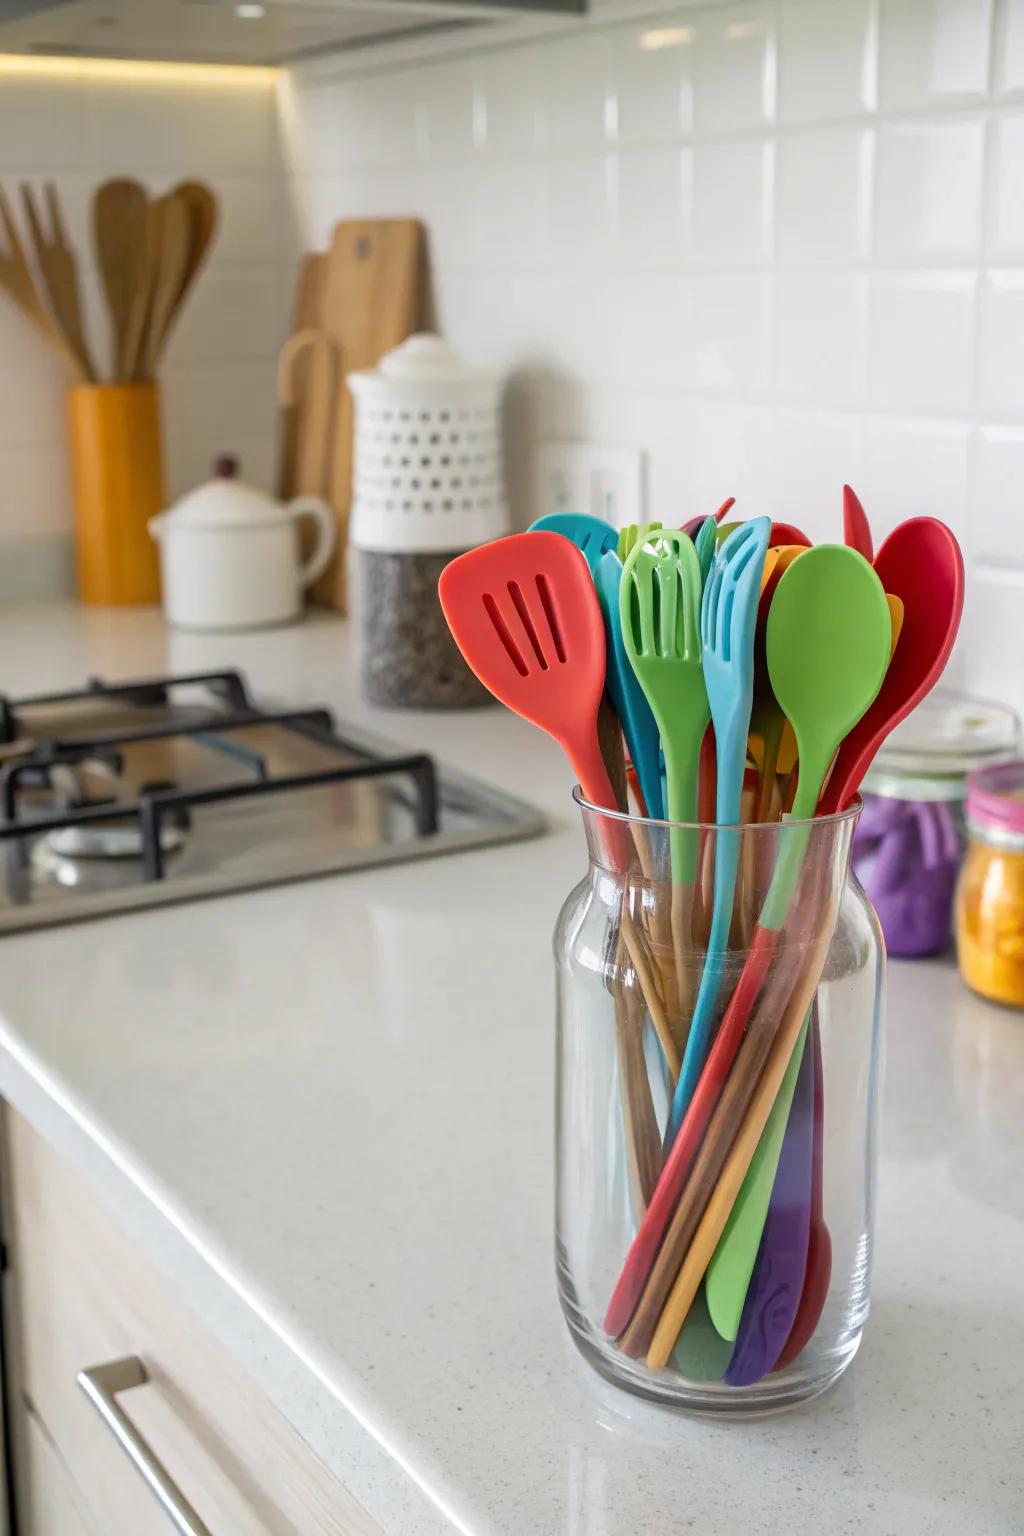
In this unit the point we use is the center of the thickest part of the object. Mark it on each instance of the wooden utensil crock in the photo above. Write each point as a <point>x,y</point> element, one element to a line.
<point>117,471</point>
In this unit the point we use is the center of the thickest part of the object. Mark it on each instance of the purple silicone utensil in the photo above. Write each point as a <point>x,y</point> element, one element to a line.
<point>777,1282</point>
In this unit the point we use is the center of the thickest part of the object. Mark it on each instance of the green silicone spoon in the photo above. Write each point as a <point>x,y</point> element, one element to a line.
<point>828,641</point>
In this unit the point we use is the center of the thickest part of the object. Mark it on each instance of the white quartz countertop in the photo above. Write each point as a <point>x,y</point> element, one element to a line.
<point>326,1111</point>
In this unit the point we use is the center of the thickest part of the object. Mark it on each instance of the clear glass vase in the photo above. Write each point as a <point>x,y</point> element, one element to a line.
<point>714,1234</point>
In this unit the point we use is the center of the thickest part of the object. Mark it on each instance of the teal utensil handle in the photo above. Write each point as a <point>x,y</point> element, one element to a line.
<point>731,758</point>
<point>628,699</point>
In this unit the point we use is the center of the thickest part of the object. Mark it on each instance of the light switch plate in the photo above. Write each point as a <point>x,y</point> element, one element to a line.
<point>590,477</point>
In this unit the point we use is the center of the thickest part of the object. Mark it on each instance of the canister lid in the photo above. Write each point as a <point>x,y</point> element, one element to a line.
<point>948,736</point>
<point>995,804</point>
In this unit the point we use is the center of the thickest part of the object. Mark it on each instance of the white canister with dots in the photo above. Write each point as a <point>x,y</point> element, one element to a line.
<point>428,485</point>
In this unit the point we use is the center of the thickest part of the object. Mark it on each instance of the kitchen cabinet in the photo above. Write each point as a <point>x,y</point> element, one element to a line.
<point>83,1295</point>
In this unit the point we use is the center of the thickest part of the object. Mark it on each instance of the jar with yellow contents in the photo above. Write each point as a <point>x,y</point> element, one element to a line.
<point>990,895</point>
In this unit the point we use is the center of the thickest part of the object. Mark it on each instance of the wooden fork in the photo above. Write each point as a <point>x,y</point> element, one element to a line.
<point>16,278</point>
<point>59,269</point>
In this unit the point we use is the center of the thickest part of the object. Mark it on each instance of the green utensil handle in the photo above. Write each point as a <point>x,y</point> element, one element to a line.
<point>681,779</point>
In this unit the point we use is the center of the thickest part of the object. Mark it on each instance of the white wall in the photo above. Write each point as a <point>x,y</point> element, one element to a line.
<point>784,250</point>
<point>79,126</point>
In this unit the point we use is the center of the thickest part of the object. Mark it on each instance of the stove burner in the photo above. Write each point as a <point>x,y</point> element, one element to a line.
<point>109,842</point>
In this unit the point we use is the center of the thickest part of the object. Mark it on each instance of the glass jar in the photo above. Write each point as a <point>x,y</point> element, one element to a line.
<point>722,1278</point>
<point>990,895</point>
<point>910,840</point>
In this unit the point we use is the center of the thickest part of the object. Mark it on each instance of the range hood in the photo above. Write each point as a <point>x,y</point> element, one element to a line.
<point>240,31</point>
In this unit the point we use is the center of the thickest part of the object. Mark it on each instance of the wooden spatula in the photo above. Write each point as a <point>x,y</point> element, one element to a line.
<point>59,270</point>
<point>119,230</point>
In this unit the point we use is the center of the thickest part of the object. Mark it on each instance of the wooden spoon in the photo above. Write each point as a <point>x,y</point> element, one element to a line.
<point>119,230</point>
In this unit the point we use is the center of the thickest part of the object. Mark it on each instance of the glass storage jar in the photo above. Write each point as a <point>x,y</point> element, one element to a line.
<point>722,1279</point>
<point>910,840</point>
<point>990,895</point>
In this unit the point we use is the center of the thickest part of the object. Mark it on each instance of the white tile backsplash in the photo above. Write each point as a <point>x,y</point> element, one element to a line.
<point>928,184</point>
<point>823,212</point>
<point>776,245</point>
<point>1002,343</point>
<point>933,52</point>
<point>826,59</point>
<point>920,329</point>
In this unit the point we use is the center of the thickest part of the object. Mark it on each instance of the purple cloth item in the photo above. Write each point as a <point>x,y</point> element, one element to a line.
<point>778,1279</point>
<point>906,855</point>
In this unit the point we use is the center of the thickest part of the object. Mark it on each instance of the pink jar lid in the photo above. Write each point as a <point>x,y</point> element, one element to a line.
<point>995,798</point>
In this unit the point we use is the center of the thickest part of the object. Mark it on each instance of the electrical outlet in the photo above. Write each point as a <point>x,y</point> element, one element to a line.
<point>586,477</point>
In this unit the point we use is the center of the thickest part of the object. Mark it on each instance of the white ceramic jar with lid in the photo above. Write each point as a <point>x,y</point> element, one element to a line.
<point>427,486</point>
<point>229,554</point>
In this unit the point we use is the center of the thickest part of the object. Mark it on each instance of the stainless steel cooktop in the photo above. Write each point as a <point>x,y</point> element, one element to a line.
<point>129,794</point>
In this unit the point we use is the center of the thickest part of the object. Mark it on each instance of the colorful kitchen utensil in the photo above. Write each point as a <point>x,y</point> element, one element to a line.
<point>818,1271</point>
<point>778,1276</point>
<point>728,617</point>
<point>633,534</point>
<point>591,535</point>
<point>728,1278</point>
<point>828,646</point>
<point>921,564</point>
<point>627,697</point>
<point>525,616</point>
<point>659,611</point>
<point>856,528</point>
<point>704,544</point>
<point>787,533</point>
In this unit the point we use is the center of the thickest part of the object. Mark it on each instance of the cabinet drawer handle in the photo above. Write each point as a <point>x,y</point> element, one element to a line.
<point>101,1384</point>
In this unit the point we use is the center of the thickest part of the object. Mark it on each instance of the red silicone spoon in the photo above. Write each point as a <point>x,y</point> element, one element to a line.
<point>787,533</point>
<point>856,529</point>
<point>920,563</point>
<point>525,615</point>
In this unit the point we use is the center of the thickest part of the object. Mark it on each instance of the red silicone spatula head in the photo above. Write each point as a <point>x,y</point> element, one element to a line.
<point>525,615</point>
<point>856,529</point>
<point>921,564</point>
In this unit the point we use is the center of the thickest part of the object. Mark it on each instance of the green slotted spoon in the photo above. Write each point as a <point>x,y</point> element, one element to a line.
<point>659,608</point>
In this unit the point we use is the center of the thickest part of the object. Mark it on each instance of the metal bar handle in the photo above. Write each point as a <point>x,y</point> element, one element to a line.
<point>101,1384</point>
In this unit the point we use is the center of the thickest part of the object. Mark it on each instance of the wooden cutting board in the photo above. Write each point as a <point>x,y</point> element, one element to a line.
<point>372,298</point>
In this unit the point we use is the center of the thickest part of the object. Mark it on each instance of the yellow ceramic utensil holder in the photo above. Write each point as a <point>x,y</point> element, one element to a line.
<point>117,470</point>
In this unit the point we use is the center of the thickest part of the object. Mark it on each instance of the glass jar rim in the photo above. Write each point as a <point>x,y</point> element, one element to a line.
<point>627,818</point>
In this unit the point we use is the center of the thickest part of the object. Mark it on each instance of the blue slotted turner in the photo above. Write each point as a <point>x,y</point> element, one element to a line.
<point>728,618</point>
<point>592,535</point>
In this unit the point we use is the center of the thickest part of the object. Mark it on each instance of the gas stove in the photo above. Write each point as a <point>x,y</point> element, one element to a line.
<point>129,794</point>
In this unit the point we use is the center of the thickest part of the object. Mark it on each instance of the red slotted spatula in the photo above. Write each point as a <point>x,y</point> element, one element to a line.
<point>524,613</point>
